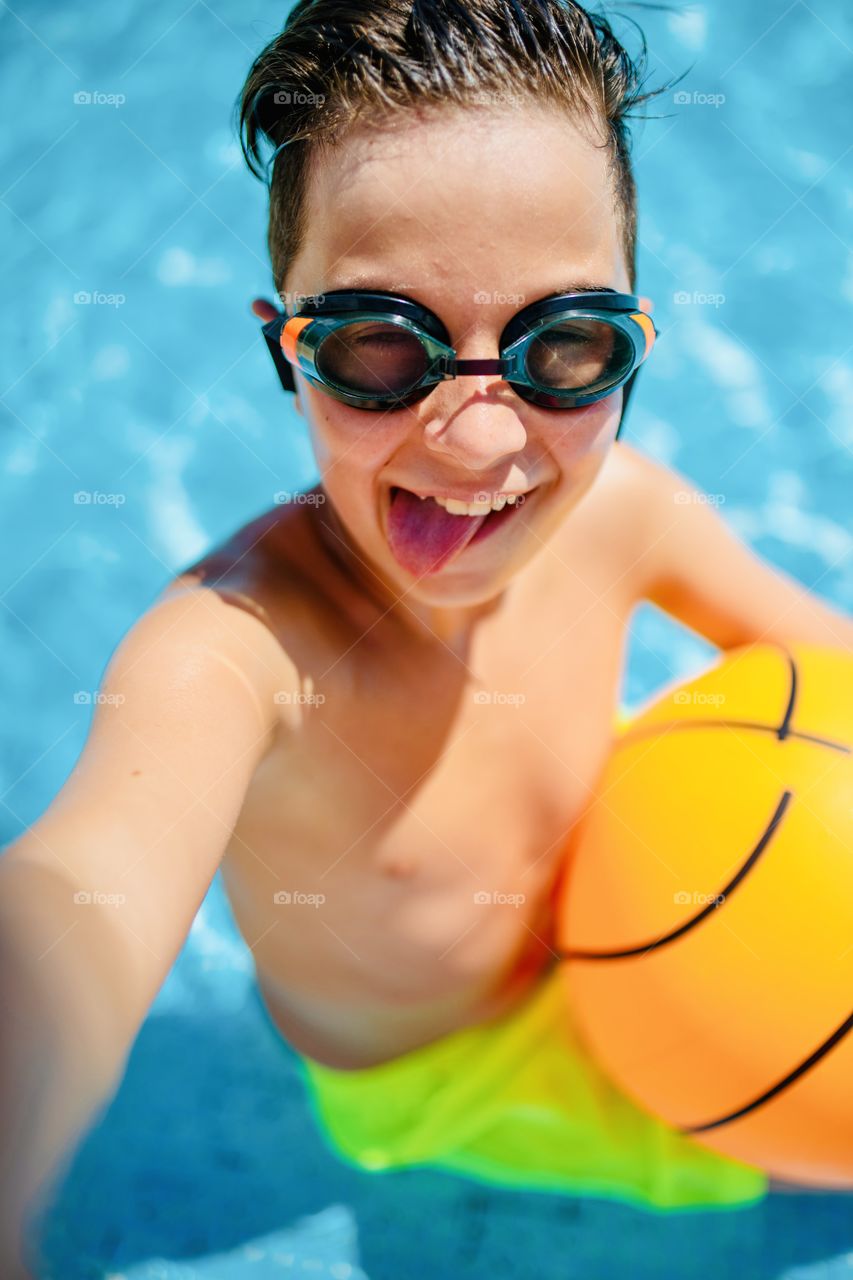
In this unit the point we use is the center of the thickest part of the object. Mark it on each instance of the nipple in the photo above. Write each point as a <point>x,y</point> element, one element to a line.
<point>398,866</point>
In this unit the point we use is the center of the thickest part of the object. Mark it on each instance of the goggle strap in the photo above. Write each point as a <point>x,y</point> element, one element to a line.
<point>479,366</point>
<point>271,331</point>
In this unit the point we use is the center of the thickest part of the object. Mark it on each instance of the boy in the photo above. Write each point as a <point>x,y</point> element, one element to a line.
<point>304,706</point>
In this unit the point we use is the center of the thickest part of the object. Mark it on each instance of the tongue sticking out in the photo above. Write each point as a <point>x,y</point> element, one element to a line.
<point>423,536</point>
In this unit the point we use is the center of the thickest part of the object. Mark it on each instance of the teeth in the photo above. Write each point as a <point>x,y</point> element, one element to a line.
<point>457,508</point>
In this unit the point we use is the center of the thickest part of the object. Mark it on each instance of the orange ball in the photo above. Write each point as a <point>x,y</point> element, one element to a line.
<point>706,917</point>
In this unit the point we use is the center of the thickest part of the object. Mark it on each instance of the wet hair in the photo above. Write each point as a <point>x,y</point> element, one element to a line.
<point>338,61</point>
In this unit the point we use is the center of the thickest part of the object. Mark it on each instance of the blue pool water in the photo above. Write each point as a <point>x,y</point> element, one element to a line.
<point>207,1164</point>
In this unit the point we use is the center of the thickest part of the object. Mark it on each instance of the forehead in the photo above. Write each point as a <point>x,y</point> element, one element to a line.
<point>475,198</point>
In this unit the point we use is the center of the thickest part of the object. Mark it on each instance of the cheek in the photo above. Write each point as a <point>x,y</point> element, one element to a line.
<point>351,442</point>
<point>580,438</point>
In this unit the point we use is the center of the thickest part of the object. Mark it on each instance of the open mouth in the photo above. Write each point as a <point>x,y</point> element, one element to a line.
<point>424,536</point>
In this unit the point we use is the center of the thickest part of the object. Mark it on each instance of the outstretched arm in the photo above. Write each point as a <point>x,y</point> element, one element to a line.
<point>98,896</point>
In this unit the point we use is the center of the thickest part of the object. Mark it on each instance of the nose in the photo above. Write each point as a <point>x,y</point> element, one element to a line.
<point>473,420</point>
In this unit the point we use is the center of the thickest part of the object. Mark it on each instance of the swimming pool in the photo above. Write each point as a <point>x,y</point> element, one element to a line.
<point>132,371</point>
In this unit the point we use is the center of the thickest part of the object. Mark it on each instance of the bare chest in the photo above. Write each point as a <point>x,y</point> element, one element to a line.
<point>413,831</point>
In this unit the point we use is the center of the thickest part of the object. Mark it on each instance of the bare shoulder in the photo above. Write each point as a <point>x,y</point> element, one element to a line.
<point>653,487</point>
<point>243,590</point>
<point>233,569</point>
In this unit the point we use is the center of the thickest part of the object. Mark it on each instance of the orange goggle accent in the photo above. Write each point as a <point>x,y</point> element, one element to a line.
<point>648,329</point>
<point>290,332</point>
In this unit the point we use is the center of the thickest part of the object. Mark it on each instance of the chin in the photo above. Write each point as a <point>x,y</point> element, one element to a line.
<point>463,583</point>
<point>439,592</point>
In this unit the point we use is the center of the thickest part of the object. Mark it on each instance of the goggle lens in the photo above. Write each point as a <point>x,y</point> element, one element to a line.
<point>384,358</point>
<point>373,358</point>
<point>578,353</point>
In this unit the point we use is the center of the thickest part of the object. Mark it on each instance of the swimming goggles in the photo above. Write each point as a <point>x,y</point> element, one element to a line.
<point>376,350</point>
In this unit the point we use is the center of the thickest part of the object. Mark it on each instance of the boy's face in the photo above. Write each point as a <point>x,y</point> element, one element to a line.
<point>445,209</point>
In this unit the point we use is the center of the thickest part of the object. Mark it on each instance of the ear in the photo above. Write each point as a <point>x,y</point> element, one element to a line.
<point>264,309</point>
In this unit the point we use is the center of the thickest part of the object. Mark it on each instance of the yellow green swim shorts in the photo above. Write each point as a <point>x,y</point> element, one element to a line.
<point>519,1102</point>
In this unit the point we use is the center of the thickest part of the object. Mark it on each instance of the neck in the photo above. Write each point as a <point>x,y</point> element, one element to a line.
<point>450,625</point>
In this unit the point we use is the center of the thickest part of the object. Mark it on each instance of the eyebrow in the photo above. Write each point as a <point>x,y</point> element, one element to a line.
<point>580,288</point>
<point>408,290</point>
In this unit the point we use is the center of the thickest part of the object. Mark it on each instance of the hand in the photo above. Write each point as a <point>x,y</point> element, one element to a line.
<point>264,310</point>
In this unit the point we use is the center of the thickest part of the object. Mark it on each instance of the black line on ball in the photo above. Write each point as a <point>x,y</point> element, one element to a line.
<point>804,1066</point>
<point>634,735</point>
<point>785,726</point>
<point>715,902</point>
